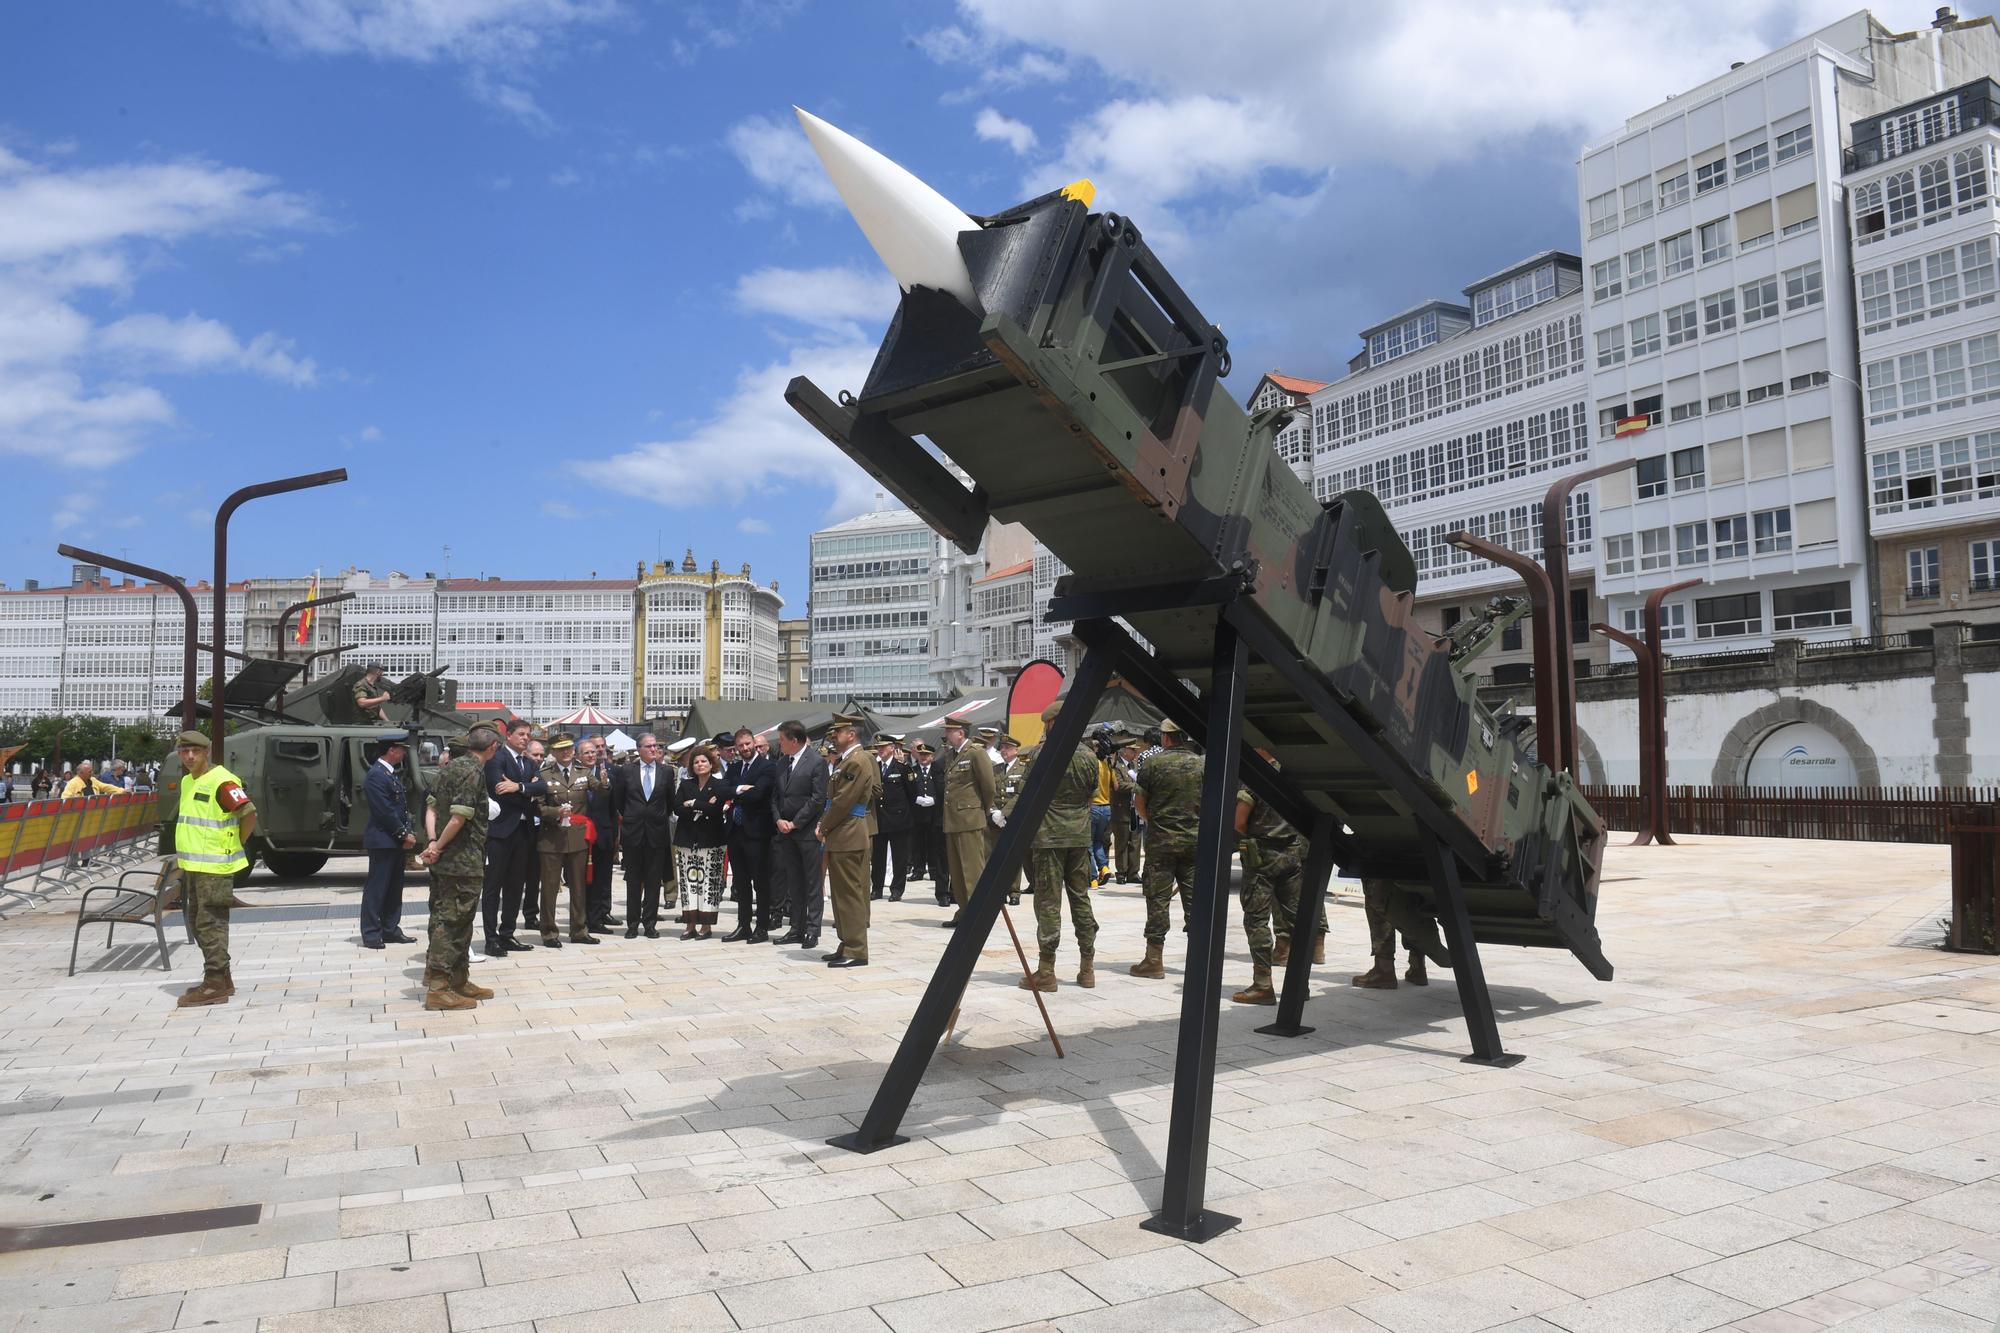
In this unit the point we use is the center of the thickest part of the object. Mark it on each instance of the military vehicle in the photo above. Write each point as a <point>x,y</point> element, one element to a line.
<point>1049,355</point>
<point>303,757</point>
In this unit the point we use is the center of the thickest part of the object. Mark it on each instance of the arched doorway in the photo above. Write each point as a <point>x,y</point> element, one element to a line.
<point>1801,754</point>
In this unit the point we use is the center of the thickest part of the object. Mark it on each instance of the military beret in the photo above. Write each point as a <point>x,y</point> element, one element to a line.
<point>198,739</point>
<point>1049,713</point>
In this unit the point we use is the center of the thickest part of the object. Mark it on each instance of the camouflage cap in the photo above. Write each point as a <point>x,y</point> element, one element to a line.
<point>198,739</point>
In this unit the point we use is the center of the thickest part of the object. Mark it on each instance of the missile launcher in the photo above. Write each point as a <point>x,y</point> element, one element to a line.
<point>1079,390</point>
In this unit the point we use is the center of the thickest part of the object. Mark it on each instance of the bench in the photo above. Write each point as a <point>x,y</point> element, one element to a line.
<point>127,905</point>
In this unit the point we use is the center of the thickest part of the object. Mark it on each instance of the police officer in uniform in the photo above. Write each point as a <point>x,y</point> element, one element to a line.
<point>457,858</point>
<point>971,802</point>
<point>1062,862</point>
<point>847,828</point>
<point>212,822</point>
<point>565,854</point>
<point>1169,800</point>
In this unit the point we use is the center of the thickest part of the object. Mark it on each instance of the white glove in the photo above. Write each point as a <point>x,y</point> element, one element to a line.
<point>999,820</point>
<point>927,800</point>
<point>492,808</point>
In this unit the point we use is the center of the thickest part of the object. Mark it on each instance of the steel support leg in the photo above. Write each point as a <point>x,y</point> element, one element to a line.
<point>1473,997</point>
<point>1181,1212</point>
<point>1305,933</point>
<point>975,920</point>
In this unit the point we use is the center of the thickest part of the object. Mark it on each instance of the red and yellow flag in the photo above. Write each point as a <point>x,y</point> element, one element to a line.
<point>304,633</point>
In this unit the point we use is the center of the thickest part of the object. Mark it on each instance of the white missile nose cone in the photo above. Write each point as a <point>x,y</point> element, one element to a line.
<point>912,227</point>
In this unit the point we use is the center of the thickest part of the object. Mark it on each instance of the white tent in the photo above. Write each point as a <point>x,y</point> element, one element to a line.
<point>586,717</point>
<point>618,742</point>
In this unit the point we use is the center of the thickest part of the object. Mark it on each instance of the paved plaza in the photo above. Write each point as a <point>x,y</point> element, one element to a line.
<point>1783,1115</point>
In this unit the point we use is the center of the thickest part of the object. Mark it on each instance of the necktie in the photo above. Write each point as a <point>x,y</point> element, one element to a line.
<point>646,782</point>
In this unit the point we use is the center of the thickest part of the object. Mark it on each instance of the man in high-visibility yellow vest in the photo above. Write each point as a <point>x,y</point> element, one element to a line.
<point>215,818</point>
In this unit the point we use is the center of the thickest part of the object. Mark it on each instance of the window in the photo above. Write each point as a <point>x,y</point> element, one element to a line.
<point>1610,348</point>
<point>1654,553</point>
<point>1714,238</point>
<point>1869,220</point>
<point>1732,537</point>
<point>1604,282</point>
<point>1711,175</point>
<point>1773,529</point>
<point>1718,312</point>
<point>1603,210</point>
<point>1968,169</point>
<point>1793,143</point>
<point>1901,190</point>
<point>1725,617</point>
<point>1757,393</point>
<point>1690,469</point>
<point>1934,187</point>
<point>1722,402</point>
<point>1684,411</point>
<point>1673,621</point>
<point>1824,606</point>
<point>1618,555</point>
<point>1985,559</point>
<point>1923,567</point>
<point>1641,267</point>
<point>1645,335</point>
<point>1677,252</point>
<point>1652,477</point>
<point>1760,300</point>
<point>1810,380</point>
<point>1751,160</point>
<point>1638,200</point>
<point>1682,326</point>
<point>1673,190</point>
<point>1876,310</point>
<point>1691,543</point>
<point>1975,268</point>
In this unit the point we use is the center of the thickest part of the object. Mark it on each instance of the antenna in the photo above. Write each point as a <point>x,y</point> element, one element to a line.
<point>447,563</point>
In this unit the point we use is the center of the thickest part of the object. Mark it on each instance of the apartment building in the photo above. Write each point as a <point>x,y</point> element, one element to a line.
<point>795,659</point>
<point>1712,236</point>
<point>697,634</point>
<point>1922,226</point>
<point>872,610</point>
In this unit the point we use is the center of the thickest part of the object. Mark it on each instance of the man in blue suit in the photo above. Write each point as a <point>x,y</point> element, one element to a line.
<point>513,783</point>
<point>388,840</point>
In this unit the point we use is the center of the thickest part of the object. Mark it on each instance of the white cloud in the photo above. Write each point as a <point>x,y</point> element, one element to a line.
<point>70,391</point>
<point>496,42</point>
<point>777,156</point>
<point>841,299</point>
<point>991,125</point>
<point>192,343</point>
<point>754,527</point>
<point>753,444</point>
<point>371,433</point>
<point>71,510</point>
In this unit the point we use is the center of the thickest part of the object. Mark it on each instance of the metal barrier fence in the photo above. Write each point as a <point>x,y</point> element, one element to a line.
<point>48,846</point>
<point>1848,814</point>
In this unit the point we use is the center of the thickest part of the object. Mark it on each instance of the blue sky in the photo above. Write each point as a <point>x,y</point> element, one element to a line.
<point>535,271</point>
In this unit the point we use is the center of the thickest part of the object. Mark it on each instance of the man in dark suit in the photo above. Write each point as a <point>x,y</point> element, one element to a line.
<point>513,785</point>
<point>644,795</point>
<point>388,840</point>
<point>748,779</point>
<point>929,803</point>
<point>601,806</point>
<point>894,820</point>
<point>798,799</point>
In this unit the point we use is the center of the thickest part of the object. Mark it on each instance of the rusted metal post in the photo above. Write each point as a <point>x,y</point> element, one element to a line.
<point>285,616</point>
<point>1649,822</point>
<point>1656,640</point>
<point>1551,729</point>
<point>188,608</point>
<point>221,588</point>
<point>1555,560</point>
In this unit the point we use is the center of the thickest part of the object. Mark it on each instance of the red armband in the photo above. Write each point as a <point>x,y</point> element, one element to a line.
<point>231,797</point>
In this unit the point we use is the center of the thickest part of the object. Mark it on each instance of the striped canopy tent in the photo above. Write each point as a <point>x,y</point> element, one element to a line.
<point>585,719</point>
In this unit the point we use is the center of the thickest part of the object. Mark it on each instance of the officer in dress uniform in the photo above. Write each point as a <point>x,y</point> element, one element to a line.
<point>894,821</point>
<point>212,822</point>
<point>971,802</point>
<point>565,854</point>
<point>1008,775</point>
<point>847,828</point>
<point>930,823</point>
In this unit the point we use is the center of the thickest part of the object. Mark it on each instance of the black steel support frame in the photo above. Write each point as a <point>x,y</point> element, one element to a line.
<point>1216,721</point>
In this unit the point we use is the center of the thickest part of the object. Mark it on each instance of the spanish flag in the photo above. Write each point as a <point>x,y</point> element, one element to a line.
<point>1632,425</point>
<point>304,632</point>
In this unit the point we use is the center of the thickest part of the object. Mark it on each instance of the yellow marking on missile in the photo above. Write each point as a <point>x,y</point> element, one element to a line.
<point>1082,191</point>
<point>1472,782</point>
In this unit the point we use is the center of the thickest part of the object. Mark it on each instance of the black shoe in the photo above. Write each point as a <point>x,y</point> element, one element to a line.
<point>896,897</point>
<point>792,938</point>
<point>400,938</point>
<point>761,937</point>
<point>585,939</point>
<point>829,957</point>
<point>875,896</point>
<point>652,932</point>
<point>612,921</point>
<point>951,924</point>
<point>737,934</point>
<point>551,942</point>
<point>494,948</point>
<point>810,942</point>
<point>944,902</point>
<point>632,932</point>
<point>371,944</point>
<point>843,961</point>
<point>689,934</point>
<point>533,924</point>
<point>1013,900</point>
<point>515,944</point>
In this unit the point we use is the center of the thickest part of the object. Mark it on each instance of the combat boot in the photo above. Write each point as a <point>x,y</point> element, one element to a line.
<point>1150,966</point>
<point>1416,976</point>
<point>464,986</point>
<point>1382,976</point>
<point>213,988</point>
<point>438,994</point>
<point>1259,990</point>
<point>1044,976</point>
<point>1281,951</point>
<point>1086,970</point>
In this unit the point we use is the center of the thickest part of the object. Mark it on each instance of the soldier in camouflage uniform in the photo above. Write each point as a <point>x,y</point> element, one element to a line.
<point>457,858</point>
<point>1169,800</point>
<point>1273,856</point>
<point>1062,863</point>
<point>371,696</point>
<point>1385,915</point>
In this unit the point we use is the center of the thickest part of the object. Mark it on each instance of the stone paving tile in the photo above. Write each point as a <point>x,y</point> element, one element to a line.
<point>635,1138</point>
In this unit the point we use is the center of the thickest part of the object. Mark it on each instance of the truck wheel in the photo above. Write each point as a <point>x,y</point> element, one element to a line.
<point>294,865</point>
<point>242,877</point>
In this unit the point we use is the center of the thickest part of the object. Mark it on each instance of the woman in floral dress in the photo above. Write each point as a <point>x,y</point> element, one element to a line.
<point>699,838</point>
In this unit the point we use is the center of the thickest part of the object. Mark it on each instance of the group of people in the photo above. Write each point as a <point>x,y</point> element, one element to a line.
<point>511,821</point>
<point>119,778</point>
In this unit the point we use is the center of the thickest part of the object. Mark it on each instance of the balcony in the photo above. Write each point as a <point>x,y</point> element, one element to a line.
<point>1975,108</point>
